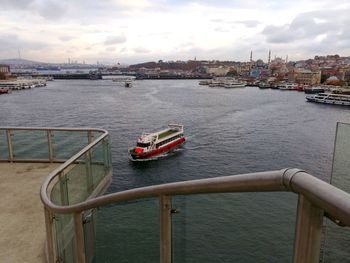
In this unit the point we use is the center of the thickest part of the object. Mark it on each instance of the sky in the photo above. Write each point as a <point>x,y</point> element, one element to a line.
<point>134,31</point>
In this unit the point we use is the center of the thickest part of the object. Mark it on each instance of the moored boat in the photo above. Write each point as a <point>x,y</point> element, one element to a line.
<point>264,85</point>
<point>313,90</point>
<point>330,98</point>
<point>5,91</point>
<point>287,86</point>
<point>204,82</point>
<point>234,84</point>
<point>152,144</point>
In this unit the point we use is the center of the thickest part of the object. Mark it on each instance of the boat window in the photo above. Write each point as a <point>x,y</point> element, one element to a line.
<point>139,144</point>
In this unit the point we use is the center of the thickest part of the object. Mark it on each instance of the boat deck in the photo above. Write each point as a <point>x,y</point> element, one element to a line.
<point>166,133</point>
<point>22,223</point>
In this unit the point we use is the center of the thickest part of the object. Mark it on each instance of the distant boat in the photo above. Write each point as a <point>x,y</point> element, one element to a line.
<point>313,90</point>
<point>4,91</point>
<point>40,68</point>
<point>153,144</point>
<point>128,83</point>
<point>288,86</point>
<point>264,85</point>
<point>330,98</point>
<point>234,84</point>
<point>204,82</point>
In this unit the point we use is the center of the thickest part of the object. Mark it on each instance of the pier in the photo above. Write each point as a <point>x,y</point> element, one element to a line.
<point>20,84</point>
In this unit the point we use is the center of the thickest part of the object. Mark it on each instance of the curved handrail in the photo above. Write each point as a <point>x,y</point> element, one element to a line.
<point>44,187</point>
<point>333,200</point>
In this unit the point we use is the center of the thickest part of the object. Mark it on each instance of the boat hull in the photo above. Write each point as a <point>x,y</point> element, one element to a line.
<point>331,102</point>
<point>158,151</point>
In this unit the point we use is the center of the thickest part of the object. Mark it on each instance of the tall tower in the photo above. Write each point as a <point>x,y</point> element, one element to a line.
<point>286,59</point>
<point>269,60</point>
<point>251,56</point>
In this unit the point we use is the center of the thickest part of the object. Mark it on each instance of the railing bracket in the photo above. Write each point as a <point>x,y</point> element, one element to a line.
<point>175,211</point>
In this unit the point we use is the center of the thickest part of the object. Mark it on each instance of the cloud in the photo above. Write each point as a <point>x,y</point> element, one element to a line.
<point>67,38</point>
<point>48,9</point>
<point>141,50</point>
<point>13,42</point>
<point>115,40</point>
<point>18,4</point>
<point>110,49</point>
<point>220,29</point>
<point>51,9</point>
<point>309,26</point>
<point>248,23</point>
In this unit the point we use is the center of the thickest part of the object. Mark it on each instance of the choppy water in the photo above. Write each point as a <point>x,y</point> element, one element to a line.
<point>229,131</point>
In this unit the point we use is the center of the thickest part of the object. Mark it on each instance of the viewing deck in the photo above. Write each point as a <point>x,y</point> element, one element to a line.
<point>73,167</point>
<point>22,220</point>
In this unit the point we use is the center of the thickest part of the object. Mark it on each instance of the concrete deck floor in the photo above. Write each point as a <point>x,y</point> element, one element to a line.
<point>22,223</point>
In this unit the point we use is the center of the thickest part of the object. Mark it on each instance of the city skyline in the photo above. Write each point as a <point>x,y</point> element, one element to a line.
<point>140,30</point>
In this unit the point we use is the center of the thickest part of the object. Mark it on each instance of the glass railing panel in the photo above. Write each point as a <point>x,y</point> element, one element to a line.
<point>77,185</point>
<point>100,162</point>
<point>128,232</point>
<point>4,155</point>
<point>64,236</point>
<point>89,219</point>
<point>235,227</point>
<point>29,144</point>
<point>341,159</point>
<point>336,239</point>
<point>67,143</point>
<point>79,180</point>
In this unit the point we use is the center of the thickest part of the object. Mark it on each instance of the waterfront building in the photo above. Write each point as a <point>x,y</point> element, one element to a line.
<point>218,71</point>
<point>308,77</point>
<point>5,72</point>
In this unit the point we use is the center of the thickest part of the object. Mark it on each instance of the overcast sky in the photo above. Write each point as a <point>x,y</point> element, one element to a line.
<point>131,31</point>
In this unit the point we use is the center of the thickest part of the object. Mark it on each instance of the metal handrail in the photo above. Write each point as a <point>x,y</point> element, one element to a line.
<point>331,199</point>
<point>315,199</point>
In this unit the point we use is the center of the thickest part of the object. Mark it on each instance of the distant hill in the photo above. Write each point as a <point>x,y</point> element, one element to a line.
<point>17,61</point>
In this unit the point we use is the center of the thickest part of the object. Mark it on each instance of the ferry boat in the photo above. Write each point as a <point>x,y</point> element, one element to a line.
<point>313,90</point>
<point>234,84</point>
<point>153,144</point>
<point>330,98</point>
<point>287,86</point>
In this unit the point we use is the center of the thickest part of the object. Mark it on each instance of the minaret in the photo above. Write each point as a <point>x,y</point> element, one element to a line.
<point>251,56</point>
<point>286,59</point>
<point>269,60</point>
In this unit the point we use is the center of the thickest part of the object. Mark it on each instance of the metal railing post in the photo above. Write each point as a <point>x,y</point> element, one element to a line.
<point>49,145</point>
<point>307,241</point>
<point>89,134</point>
<point>49,236</point>
<point>63,181</point>
<point>165,228</point>
<point>79,237</point>
<point>9,144</point>
<point>88,170</point>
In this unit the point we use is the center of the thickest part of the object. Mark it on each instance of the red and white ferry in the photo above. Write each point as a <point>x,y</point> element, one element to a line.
<point>152,144</point>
